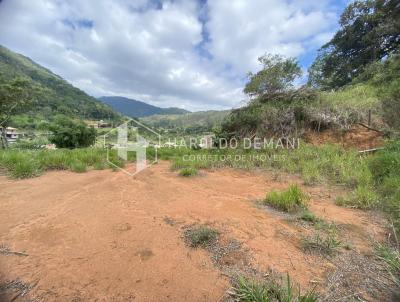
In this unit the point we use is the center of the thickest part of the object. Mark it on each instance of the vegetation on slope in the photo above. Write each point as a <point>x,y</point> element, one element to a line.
<point>57,96</point>
<point>190,123</point>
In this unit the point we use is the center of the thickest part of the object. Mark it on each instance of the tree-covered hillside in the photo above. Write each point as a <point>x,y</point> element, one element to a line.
<point>55,95</point>
<point>354,80</point>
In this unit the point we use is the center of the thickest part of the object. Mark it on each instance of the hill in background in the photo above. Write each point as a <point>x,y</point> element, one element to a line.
<point>135,108</point>
<point>58,97</point>
<point>190,123</point>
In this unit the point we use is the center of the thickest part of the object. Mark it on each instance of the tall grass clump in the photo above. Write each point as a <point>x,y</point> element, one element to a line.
<point>289,200</point>
<point>248,290</point>
<point>385,168</point>
<point>361,198</point>
<point>329,163</point>
<point>30,163</point>
<point>391,257</point>
<point>327,244</point>
<point>187,172</point>
<point>20,164</point>
<point>202,236</point>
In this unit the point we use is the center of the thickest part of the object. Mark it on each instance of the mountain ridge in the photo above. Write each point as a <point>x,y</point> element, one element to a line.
<point>61,96</point>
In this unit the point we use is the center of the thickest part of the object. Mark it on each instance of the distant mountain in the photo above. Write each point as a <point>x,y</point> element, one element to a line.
<point>59,97</point>
<point>134,108</point>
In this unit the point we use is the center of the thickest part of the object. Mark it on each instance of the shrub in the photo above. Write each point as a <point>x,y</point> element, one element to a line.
<point>290,200</point>
<point>200,236</point>
<point>70,134</point>
<point>187,172</point>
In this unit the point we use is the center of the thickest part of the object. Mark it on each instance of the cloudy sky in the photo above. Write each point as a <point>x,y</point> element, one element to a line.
<point>192,54</point>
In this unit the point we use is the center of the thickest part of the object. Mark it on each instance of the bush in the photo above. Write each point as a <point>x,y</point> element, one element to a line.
<point>70,134</point>
<point>290,200</point>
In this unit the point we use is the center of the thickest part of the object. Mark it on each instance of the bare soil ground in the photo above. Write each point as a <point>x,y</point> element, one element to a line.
<point>357,137</point>
<point>104,236</point>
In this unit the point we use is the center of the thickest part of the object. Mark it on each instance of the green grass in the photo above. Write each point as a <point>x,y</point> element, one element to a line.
<point>78,166</point>
<point>200,236</point>
<point>309,216</point>
<point>391,257</point>
<point>289,200</point>
<point>361,198</point>
<point>187,172</point>
<point>327,244</point>
<point>248,290</point>
<point>316,164</point>
<point>31,163</point>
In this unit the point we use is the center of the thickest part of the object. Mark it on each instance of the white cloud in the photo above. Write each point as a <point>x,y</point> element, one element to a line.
<point>241,30</point>
<point>148,51</point>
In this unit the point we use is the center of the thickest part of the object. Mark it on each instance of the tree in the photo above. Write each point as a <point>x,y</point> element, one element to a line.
<point>276,76</point>
<point>14,95</point>
<point>70,134</point>
<point>369,31</point>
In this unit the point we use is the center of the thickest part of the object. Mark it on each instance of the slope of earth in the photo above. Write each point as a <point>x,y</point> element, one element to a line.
<point>103,236</point>
<point>358,137</point>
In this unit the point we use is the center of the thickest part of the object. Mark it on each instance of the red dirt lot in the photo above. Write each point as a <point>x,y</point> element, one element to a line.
<point>105,236</point>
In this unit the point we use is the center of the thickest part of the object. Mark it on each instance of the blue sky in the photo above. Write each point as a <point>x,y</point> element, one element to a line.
<point>192,54</point>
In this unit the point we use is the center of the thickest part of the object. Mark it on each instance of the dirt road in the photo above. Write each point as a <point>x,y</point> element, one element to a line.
<point>104,236</point>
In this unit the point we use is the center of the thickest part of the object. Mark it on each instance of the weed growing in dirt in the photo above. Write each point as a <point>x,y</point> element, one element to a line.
<point>289,200</point>
<point>391,257</point>
<point>361,198</point>
<point>324,245</point>
<point>247,290</point>
<point>385,167</point>
<point>309,217</point>
<point>187,172</point>
<point>200,236</point>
